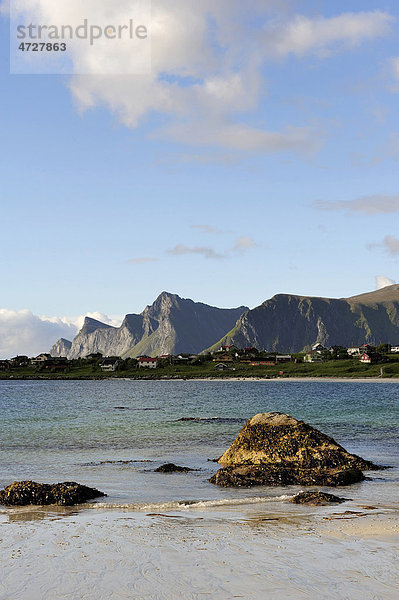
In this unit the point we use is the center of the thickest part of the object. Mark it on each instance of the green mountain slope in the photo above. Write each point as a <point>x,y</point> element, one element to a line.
<point>289,323</point>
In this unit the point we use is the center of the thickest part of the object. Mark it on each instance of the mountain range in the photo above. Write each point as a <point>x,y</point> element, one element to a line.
<point>171,325</point>
<point>284,323</point>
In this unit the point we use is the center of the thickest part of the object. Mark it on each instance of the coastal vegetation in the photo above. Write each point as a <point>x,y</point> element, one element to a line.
<point>204,367</point>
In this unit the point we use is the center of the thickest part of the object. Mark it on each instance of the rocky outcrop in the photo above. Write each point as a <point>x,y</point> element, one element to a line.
<point>61,348</point>
<point>282,474</point>
<point>169,326</point>
<point>317,498</point>
<point>68,493</point>
<point>277,449</point>
<point>290,323</point>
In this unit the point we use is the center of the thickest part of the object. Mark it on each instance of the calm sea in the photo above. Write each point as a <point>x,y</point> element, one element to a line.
<point>113,434</point>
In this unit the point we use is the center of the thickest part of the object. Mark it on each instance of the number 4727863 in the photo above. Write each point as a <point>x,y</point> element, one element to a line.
<point>41,47</point>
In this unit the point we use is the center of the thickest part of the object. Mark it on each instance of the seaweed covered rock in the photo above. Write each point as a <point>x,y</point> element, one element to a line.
<point>171,468</point>
<point>277,449</point>
<point>317,498</point>
<point>68,493</point>
<point>283,474</point>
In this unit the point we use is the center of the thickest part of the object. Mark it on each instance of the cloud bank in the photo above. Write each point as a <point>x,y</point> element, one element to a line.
<point>22,332</point>
<point>208,58</point>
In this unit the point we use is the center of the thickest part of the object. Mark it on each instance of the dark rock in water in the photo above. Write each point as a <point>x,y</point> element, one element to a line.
<point>68,493</point>
<point>171,468</point>
<point>317,498</point>
<point>283,474</point>
<point>276,449</point>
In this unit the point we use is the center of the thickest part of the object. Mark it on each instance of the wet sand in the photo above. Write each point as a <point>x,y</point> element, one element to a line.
<point>346,552</point>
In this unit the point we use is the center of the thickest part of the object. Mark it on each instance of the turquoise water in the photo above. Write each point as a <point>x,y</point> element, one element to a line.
<point>69,430</point>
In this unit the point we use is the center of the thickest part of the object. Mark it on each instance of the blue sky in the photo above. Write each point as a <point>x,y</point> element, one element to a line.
<point>224,178</point>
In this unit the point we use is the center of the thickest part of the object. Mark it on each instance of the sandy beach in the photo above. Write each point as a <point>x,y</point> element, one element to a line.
<point>341,552</point>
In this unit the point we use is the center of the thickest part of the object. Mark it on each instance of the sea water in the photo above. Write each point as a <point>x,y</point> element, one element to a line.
<point>112,434</point>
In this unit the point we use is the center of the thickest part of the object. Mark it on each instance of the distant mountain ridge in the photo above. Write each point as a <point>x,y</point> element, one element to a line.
<point>171,325</point>
<point>284,323</point>
<point>290,323</point>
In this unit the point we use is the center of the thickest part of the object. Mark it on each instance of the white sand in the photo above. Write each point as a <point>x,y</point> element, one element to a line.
<point>331,554</point>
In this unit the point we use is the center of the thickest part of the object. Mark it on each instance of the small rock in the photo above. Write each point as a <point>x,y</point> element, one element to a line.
<point>171,468</point>
<point>68,493</point>
<point>316,498</point>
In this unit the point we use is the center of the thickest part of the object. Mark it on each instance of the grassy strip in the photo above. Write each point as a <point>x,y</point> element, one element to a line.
<point>338,368</point>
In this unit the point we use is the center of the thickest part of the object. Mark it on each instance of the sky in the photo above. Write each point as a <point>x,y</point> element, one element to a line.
<point>258,156</point>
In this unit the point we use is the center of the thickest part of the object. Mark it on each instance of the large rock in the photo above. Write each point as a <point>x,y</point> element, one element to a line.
<point>68,493</point>
<point>277,449</point>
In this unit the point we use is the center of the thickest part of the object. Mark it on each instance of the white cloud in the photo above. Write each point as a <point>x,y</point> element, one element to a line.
<point>114,320</point>
<point>241,137</point>
<point>244,243</point>
<point>208,229</point>
<point>142,261</point>
<point>207,62</point>
<point>381,281</point>
<point>22,332</point>
<point>371,205</point>
<point>322,36</point>
<point>204,251</point>
<point>391,245</point>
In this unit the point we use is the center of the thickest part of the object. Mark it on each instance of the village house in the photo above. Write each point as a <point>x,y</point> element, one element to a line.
<point>395,349</point>
<point>40,359</point>
<point>318,348</point>
<point>221,367</point>
<point>366,359</point>
<point>313,357</point>
<point>5,365</point>
<point>283,358</point>
<point>228,348</point>
<point>109,364</point>
<point>354,351</point>
<point>227,358</point>
<point>19,361</point>
<point>262,363</point>
<point>371,358</point>
<point>56,364</point>
<point>147,363</point>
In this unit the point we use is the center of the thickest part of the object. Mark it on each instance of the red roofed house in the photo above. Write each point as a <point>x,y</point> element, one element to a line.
<point>366,359</point>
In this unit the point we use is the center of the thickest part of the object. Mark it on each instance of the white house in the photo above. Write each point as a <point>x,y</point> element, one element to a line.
<point>109,365</point>
<point>355,351</point>
<point>318,348</point>
<point>312,357</point>
<point>149,363</point>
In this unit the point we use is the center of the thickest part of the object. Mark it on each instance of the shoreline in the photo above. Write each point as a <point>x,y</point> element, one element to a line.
<point>311,379</point>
